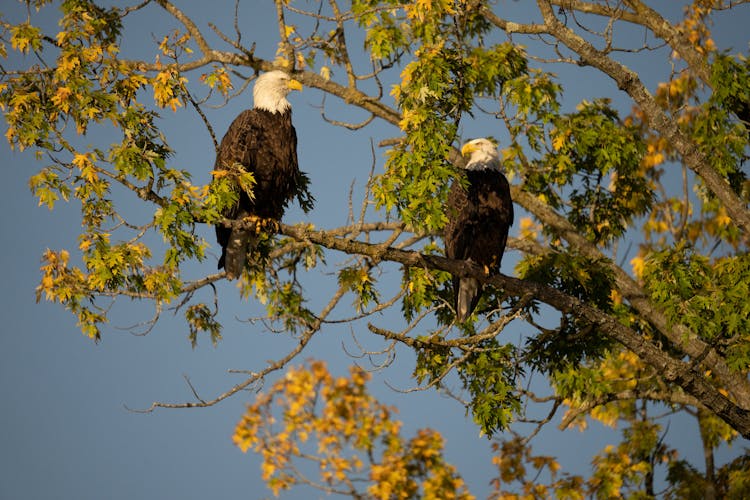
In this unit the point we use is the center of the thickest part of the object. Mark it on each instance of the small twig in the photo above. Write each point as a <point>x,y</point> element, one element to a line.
<point>192,389</point>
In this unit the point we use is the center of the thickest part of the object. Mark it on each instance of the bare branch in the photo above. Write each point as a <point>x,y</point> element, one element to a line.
<point>256,377</point>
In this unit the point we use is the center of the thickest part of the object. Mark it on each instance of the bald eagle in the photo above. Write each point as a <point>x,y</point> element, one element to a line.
<point>263,141</point>
<point>479,218</point>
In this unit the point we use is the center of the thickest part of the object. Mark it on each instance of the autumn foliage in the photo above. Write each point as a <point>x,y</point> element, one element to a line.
<point>626,291</point>
<point>340,429</point>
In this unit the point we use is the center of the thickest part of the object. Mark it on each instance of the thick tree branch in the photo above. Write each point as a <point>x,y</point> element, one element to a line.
<point>674,37</point>
<point>604,10</point>
<point>674,371</point>
<point>628,81</point>
<point>188,23</point>
<point>681,338</point>
<point>510,27</point>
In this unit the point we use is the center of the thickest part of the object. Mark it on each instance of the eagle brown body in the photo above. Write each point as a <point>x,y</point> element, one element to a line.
<point>263,141</point>
<point>479,218</point>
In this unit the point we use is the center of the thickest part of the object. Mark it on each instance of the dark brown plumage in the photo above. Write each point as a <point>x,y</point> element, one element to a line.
<point>263,141</point>
<point>479,218</point>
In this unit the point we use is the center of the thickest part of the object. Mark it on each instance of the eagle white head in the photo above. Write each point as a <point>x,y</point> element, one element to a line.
<point>482,155</point>
<point>271,89</point>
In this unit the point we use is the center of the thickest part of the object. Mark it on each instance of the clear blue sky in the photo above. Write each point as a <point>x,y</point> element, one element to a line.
<point>64,430</point>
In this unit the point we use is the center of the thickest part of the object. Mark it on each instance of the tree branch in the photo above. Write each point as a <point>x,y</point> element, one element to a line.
<point>256,377</point>
<point>672,370</point>
<point>681,337</point>
<point>628,81</point>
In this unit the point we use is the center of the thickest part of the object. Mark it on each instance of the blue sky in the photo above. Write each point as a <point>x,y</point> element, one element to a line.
<point>65,431</point>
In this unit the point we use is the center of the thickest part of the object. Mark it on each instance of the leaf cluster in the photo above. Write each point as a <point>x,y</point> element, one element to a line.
<point>596,166</point>
<point>708,297</point>
<point>437,88</point>
<point>353,440</point>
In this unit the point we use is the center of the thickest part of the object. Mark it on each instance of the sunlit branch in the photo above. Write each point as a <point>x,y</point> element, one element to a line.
<point>675,37</point>
<point>341,44</point>
<point>669,397</point>
<point>147,325</point>
<point>364,314</point>
<point>541,423</point>
<point>326,488</point>
<point>200,112</point>
<point>250,53</point>
<point>437,381</point>
<point>286,47</point>
<point>338,123</point>
<point>190,26</point>
<point>134,8</point>
<point>673,370</point>
<point>389,352</point>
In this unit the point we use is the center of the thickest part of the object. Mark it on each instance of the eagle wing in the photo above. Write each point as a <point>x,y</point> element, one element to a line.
<point>479,218</point>
<point>265,144</point>
<point>238,146</point>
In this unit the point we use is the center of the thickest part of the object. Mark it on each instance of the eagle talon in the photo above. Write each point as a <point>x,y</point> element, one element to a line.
<point>253,221</point>
<point>262,225</point>
<point>270,225</point>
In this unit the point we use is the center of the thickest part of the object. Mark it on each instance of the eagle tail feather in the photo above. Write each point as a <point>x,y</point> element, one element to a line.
<point>467,297</point>
<point>234,255</point>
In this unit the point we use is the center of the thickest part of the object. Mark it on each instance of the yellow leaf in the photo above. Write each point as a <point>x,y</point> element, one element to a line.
<point>559,141</point>
<point>528,228</point>
<point>10,134</point>
<point>218,174</point>
<point>60,99</point>
<point>174,103</point>
<point>81,160</point>
<point>267,469</point>
<point>605,415</point>
<point>66,65</point>
<point>653,159</point>
<point>47,282</point>
<point>722,219</point>
<point>92,53</point>
<point>281,61</point>
<point>638,265</point>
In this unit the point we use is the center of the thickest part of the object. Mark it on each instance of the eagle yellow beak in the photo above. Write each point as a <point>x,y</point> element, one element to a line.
<point>468,148</point>
<point>294,84</point>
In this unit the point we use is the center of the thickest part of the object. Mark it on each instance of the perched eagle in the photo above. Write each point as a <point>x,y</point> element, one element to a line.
<point>263,141</point>
<point>479,217</point>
